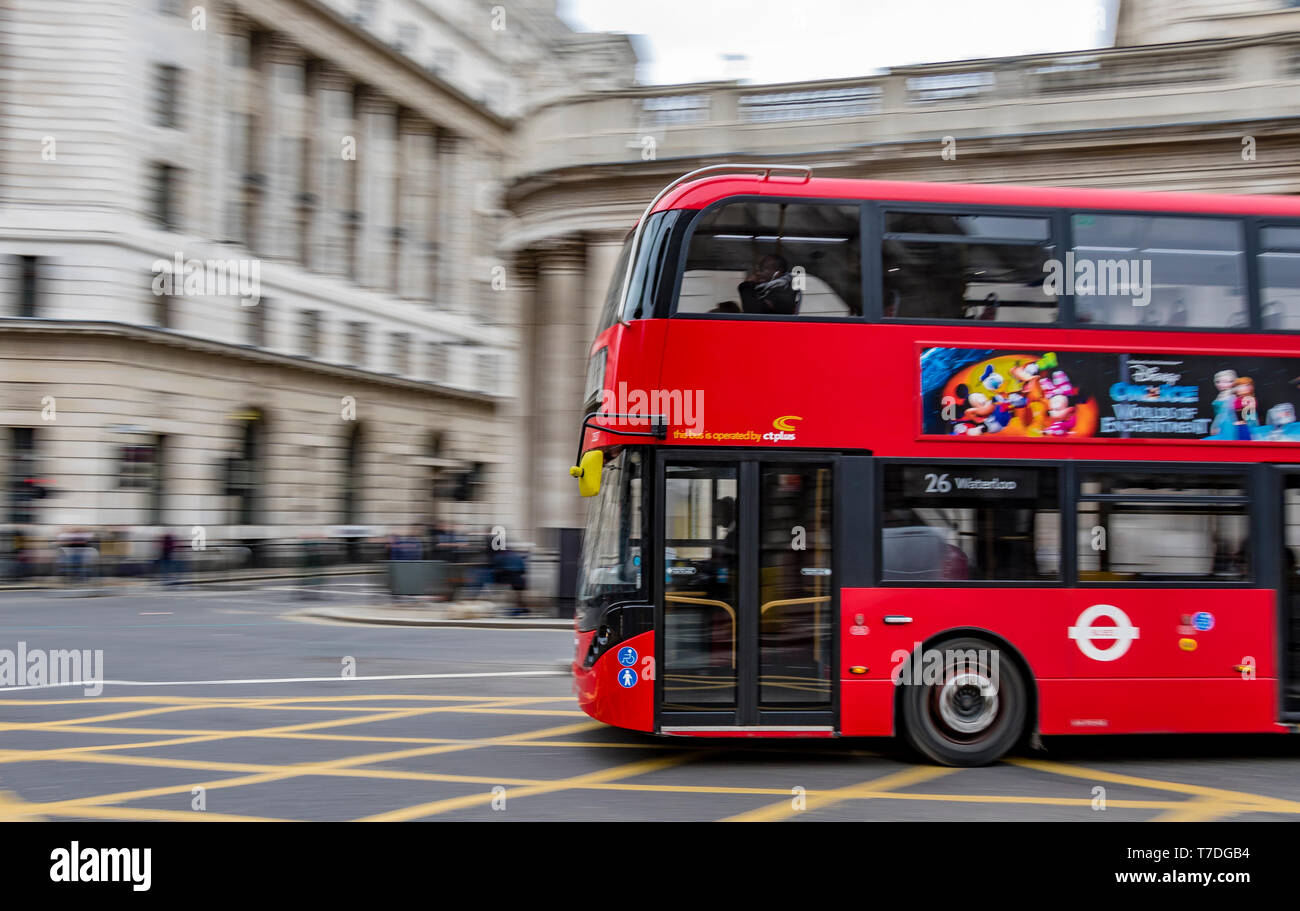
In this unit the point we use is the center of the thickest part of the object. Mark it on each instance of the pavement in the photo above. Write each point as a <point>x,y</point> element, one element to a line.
<point>238,705</point>
<point>463,614</point>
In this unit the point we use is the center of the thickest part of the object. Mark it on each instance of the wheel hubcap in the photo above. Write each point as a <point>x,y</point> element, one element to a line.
<point>968,703</point>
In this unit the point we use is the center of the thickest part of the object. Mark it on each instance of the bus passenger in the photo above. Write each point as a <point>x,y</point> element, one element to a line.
<point>769,289</point>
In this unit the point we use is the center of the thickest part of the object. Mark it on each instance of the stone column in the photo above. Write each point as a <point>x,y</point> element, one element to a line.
<point>557,386</point>
<point>415,210</point>
<point>334,167</point>
<point>454,221</point>
<point>602,257</point>
<point>377,121</point>
<point>281,116</point>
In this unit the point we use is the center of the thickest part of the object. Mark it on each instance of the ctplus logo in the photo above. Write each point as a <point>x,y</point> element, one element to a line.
<point>784,428</point>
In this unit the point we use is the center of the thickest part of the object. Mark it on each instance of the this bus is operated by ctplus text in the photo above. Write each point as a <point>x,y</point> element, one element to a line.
<point>957,463</point>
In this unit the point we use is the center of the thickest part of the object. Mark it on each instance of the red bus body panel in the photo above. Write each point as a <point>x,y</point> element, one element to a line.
<point>1159,683</point>
<point>601,696</point>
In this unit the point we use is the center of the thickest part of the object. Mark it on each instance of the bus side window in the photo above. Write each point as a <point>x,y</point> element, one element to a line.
<point>764,259</point>
<point>1145,270</point>
<point>942,266</point>
<point>1279,277</point>
<point>950,523</point>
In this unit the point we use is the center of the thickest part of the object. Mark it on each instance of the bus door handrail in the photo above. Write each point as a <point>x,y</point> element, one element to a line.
<point>816,601</point>
<point>765,169</point>
<point>709,602</point>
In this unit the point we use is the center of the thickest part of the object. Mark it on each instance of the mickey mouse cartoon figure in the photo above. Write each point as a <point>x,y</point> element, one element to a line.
<point>984,413</point>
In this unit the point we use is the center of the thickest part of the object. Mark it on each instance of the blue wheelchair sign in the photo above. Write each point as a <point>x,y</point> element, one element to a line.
<point>627,678</point>
<point>627,656</point>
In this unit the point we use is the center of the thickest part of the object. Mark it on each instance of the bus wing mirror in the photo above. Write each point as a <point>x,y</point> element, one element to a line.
<point>587,471</point>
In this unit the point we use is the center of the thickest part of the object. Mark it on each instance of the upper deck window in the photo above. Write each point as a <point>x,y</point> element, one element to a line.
<point>1279,277</point>
<point>1160,271</point>
<point>775,259</point>
<point>944,266</point>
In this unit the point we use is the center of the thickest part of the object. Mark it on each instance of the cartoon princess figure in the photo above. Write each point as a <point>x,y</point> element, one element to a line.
<point>1244,408</point>
<point>1223,382</point>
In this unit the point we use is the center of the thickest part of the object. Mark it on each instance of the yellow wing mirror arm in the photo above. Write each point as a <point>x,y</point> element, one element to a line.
<point>590,464</point>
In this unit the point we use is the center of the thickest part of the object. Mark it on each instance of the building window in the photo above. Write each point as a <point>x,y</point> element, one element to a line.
<point>240,49</point>
<point>28,286</point>
<point>401,352</point>
<point>350,511</point>
<point>166,96</point>
<point>244,470</point>
<point>941,266</point>
<point>358,339</point>
<point>438,356</point>
<point>165,196</point>
<point>365,12</point>
<point>489,372</point>
<point>24,486</point>
<point>775,259</point>
<point>1159,271</point>
<point>258,320</point>
<point>408,36</point>
<point>309,332</point>
<point>141,468</point>
<point>159,309</point>
<point>444,61</point>
<point>945,522</point>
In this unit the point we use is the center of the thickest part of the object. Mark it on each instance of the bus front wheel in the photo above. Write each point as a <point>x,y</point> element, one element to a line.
<point>973,712</point>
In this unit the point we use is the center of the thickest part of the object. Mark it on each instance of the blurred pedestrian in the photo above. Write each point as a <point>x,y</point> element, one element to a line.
<point>313,560</point>
<point>510,568</point>
<point>167,558</point>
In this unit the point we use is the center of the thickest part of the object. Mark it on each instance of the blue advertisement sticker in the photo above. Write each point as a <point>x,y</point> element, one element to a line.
<point>1203,620</point>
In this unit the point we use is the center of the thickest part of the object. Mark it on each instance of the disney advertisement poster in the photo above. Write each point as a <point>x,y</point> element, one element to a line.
<point>977,392</point>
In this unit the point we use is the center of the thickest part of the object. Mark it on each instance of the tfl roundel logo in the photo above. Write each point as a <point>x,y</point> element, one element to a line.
<point>1121,634</point>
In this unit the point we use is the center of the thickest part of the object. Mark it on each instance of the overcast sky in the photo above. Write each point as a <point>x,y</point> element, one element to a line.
<point>796,40</point>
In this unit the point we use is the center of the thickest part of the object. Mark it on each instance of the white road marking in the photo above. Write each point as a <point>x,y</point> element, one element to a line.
<point>46,686</point>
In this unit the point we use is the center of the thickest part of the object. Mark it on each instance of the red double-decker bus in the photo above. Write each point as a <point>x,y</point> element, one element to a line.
<point>956,463</point>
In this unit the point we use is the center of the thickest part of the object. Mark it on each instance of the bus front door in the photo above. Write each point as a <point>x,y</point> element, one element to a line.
<point>747,602</point>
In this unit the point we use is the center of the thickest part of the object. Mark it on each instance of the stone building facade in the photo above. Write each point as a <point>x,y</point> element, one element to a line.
<point>250,270</point>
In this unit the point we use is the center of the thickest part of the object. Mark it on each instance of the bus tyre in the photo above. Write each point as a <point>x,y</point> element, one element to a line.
<point>973,713</point>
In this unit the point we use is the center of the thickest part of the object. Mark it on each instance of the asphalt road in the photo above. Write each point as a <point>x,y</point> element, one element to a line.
<point>250,718</point>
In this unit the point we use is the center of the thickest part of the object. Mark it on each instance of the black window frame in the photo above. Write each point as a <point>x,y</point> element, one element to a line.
<point>1069,476</point>
<point>1249,238</point>
<point>683,254</point>
<point>1251,486</point>
<point>878,527</point>
<point>1057,238</point>
<point>1255,277</point>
